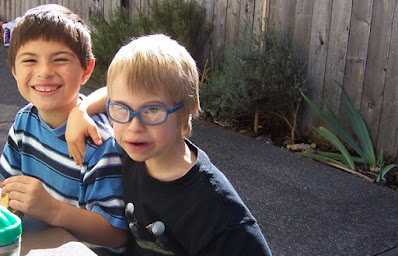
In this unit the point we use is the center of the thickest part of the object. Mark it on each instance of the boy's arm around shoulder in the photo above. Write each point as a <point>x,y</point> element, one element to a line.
<point>80,125</point>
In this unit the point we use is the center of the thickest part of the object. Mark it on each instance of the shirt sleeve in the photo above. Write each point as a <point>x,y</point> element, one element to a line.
<point>102,183</point>
<point>10,161</point>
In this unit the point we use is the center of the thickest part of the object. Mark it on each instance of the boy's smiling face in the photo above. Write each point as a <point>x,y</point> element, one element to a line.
<point>152,144</point>
<point>49,75</point>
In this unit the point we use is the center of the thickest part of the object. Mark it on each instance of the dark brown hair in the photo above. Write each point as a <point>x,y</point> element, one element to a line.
<point>52,22</point>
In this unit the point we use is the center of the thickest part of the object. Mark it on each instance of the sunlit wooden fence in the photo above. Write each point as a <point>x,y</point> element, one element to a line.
<point>353,43</point>
<point>349,42</point>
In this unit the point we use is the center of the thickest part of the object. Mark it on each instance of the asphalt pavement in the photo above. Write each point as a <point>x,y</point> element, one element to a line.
<point>303,207</point>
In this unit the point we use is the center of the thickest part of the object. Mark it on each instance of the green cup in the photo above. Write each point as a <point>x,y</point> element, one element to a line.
<point>10,233</point>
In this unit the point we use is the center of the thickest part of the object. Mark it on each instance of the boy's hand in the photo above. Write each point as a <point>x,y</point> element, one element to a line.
<point>27,194</point>
<point>80,126</point>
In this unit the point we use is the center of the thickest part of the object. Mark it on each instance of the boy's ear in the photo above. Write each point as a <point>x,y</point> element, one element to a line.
<point>88,71</point>
<point>14,73</point>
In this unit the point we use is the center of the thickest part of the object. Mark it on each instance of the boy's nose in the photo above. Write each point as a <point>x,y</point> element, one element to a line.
<point>45,70</point>
<point>135,125</point>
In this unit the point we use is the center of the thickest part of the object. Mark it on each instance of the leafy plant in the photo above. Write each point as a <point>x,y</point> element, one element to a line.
<point>211,88</point>
<point>361,144</point>
<point>108,37</point>
<point>260,77</point>
<point>383,170</point>
<point>182,20</point>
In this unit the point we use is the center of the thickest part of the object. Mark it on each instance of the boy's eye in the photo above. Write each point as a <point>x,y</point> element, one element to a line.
<point>153,110</point>
<point>61,59</point>
<point>119,108</point>
<point>122,109</point>
<point>29,60</point>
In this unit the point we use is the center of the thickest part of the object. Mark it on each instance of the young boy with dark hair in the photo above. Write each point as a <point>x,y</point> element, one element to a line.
<point>50,57</point>
<point>177,201</point>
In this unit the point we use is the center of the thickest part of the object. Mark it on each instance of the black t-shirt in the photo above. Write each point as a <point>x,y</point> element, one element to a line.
<point>197,214</point>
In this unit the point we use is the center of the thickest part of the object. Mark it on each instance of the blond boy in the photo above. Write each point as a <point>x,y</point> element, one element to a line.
<point>177,201</point>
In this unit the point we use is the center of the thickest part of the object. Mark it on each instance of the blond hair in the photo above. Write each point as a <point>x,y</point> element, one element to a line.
<point>157,62</point>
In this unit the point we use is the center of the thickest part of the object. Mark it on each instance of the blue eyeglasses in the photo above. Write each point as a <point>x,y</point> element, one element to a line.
<point>148,115</point>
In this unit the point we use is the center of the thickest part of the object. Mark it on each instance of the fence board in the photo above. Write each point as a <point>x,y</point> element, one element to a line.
<point>14,9</point>
<point>258,13</point>
<point>134,7</point>
<point>76,7</point>
<point>71,5</point>
<point>302,25</point>
<point>205,55</point>
<point>66,3</point>
<point>2,10</point>
<point>209,6</point>
<point>338,42</point>
<point>109,6</point>
<point>220,12</point>
<point>144,5</point>
<point>27,5</point>
<point>387,133</point>
<point>358,43</point>
<point>376,66</point>
<point>282,15</point>
<point>317,55</point>
<point>232,23</point>
<point>246,14</point>
<point>8,9</point>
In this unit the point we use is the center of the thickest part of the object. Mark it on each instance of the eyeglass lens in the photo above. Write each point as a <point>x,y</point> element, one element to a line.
<point>147,115</point>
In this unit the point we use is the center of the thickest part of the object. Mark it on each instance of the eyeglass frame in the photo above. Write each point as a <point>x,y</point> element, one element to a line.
<point>137,113</point>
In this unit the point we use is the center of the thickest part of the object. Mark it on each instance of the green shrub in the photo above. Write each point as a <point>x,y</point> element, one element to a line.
<point>182,20</point>
<point>260,76</point>
<point>108,37</point>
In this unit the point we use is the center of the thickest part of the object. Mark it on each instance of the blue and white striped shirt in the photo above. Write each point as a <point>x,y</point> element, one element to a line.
<point>35,149</point>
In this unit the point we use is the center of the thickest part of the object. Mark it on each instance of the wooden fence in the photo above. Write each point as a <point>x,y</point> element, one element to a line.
<point>348,42</point>
<point>352,43</point>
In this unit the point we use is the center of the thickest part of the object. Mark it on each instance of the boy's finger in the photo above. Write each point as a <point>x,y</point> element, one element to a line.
<point>78,159</point>
<point>75,153</point>
<point>16,183</point>
<point>93,132</point>
<point>81,147</point>
<point>18,178</point>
